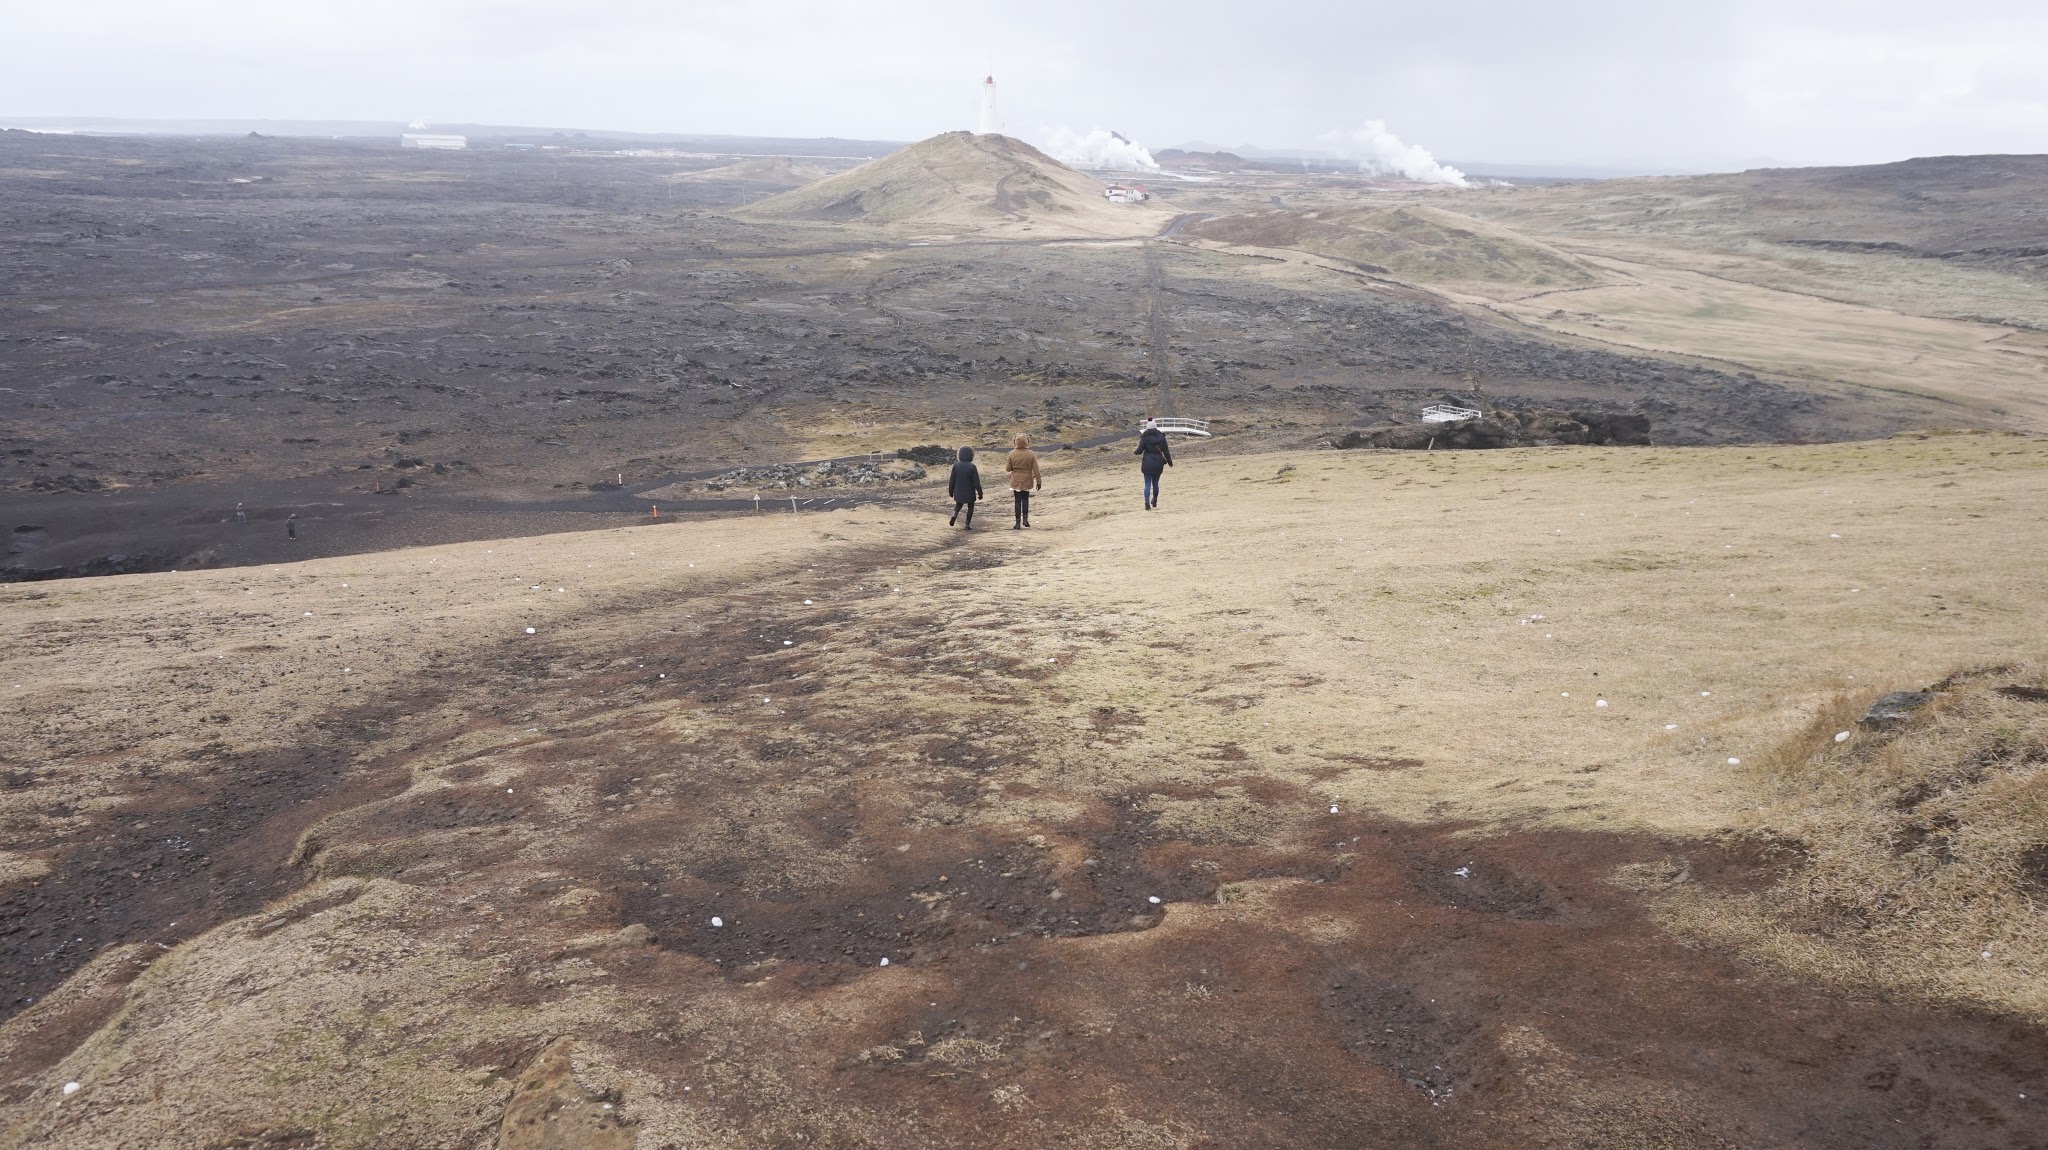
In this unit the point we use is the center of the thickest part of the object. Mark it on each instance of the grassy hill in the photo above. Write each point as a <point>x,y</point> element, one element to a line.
<point>961,182</point>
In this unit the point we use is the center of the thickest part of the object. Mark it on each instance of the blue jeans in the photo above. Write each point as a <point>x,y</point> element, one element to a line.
<point>1151,487</point>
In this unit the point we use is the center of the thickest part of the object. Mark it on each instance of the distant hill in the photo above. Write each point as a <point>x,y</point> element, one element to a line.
<point>959,182</point>
<point>477,133</point>
<point>1411,241</point>
<point>1178,160</point>
<point>768,171</point>
<point>1983,212</point>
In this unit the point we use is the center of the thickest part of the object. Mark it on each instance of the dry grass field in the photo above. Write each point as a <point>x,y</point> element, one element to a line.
<point>1351,798</point>
<point>1921,279</point>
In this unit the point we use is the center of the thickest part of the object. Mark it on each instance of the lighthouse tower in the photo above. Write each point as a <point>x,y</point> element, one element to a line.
<point>989,123</point>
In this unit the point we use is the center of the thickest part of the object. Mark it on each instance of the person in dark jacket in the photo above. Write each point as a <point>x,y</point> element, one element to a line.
<point>1155,457</point>
<point>964,485</point>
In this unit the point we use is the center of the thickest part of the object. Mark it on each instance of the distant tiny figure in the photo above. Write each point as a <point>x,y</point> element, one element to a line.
<point>1024,479</point>
<point>1156,458</point>
<point>241,516</point>
<point>291,526</point>
<point>964,485</point>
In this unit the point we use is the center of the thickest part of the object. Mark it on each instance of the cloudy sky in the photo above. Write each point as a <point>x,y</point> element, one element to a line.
<point>1631,84</point>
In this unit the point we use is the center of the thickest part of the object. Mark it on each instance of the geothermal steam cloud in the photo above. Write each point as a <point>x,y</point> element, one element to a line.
<point>1381,153</point>
<point>1101,150</point>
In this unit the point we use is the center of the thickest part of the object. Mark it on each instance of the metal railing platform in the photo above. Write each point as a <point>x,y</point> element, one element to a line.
<point>1446,413</point>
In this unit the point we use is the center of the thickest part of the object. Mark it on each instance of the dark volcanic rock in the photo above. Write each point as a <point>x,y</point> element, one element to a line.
<point>1895,709</point>
<point>1503,427</point>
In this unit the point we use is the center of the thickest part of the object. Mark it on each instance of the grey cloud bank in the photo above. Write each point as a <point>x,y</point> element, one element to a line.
<point>1580,82</point>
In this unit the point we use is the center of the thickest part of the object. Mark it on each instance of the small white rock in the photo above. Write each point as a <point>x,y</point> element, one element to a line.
<point>71,1088</point>
<point>1704,694</point>
<point>1985,954</point>
<point>1599,702</point>
<point>1333,810</point>
<point>807,602</point>
<point>717,921</point>
<point>1734,762</point>
<point>1154,900</point>
<point>1841,736</point>
<point>1671,726</point>
<point>1566,695</point>
<point>1463,872</point>
<point>885,962</point>
<point>529,630</point>
<point>787,643</point>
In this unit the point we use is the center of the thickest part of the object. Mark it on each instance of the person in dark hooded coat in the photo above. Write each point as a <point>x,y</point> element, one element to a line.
<point>964,485</point>
<point>1155,458</point>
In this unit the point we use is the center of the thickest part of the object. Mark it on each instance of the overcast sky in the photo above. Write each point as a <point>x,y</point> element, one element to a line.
<point>1636,84</point>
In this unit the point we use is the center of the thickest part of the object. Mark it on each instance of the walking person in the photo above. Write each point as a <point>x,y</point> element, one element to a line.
<point>1024,479</point>
<point>964,485</point>
<point>1155,457</point>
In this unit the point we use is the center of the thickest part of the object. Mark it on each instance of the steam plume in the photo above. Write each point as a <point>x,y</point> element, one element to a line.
<point>1101,150</point>
<point>1381,153</point>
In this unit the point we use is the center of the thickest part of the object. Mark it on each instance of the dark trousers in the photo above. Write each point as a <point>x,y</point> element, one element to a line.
<point>1022,502</point>
<point>1151,488</point>
<point>966,504</point>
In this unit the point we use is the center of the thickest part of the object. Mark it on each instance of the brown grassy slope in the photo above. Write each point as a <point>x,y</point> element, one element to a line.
<point>1925,849</point>
<point>961,182</point>
<point>1925,276</point>
<point>981,757</point>
<point>1705,267</point>
<point>1961,212</point>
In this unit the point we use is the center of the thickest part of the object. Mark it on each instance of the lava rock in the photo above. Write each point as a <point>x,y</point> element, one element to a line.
<point>1895,709</point>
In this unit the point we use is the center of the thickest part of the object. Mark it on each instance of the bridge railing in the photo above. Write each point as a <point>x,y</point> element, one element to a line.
<point>1179,426</point>
<point>1447,413</point>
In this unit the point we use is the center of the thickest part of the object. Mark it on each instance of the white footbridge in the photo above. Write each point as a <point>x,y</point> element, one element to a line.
<point>1446,413</point>
<point>1177,426</point>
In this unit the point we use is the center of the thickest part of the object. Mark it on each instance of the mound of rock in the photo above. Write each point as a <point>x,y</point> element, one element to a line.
<point>789,476</point>
<point>929,454</point>
<point>1503,427</point>
<point>958,181</point>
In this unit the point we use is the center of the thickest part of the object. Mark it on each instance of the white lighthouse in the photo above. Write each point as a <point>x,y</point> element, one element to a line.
<point>989,123</point>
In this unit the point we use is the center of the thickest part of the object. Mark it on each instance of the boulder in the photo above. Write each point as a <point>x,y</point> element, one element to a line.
<point>1893,710</point>
<point>1627,428</point>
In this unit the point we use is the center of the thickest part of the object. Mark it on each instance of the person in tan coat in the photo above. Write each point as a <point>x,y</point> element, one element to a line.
<point>1024,479</point>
